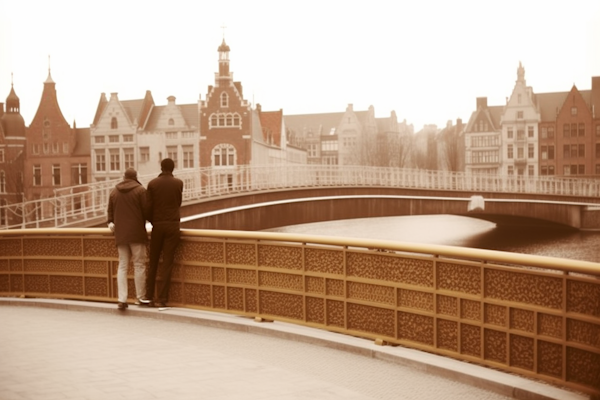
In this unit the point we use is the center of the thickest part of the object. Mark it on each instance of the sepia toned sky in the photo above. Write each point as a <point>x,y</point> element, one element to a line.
<point>426,60</point>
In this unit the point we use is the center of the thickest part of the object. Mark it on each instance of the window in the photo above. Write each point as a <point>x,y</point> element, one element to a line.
<point>312,150</point>
<point>573,130</point>
<point>566,151</point>
<point>224,100</point>
<point>113,138</point>
<point>78,174</point>
<point>573,150</point>
<point>550,169</point>
<point>530,170</point>
<point>113,123</point>
<point>171,122</point>
<point>520,134</point>
<point>520,153</point>
<point>581,150</point>
<point>484,157</point>
<point>128,138</point>
<point>188,156</point>
<point>66,148</point>
<point>171,135</point>
<point>519,114</point>
<point>573,110</point>
<point>544,152</point>
<point>221,120</point>
<point>598,130</point>
<point>128,158</point>
<point>2,182</point>
<point>56,174</point>
<point>550,132</point>
<point>224,155</point>
<point>46,148</point>
<point>581,169</point>
<point>597,150</point>
<point>573,169</point>
<point>544,132</point>
<point>1,155</point>
<point>35,149</point>
<point>115,160</point>
<point>509,133</point>
<point>55,147</point>
<point>144,154</point>
<point>544,170</point>
<point>98,139</point>
<point>510,154</point>
<point>597,169</point>
<point>511,170</point>
<point>581,130</point>
<point>329,145</point>
<point>530,131</point>
<point>172,154</point>
<point>530,152</point>
<point>100,162</point>
<point>566,130</point>
<point>550,152</point>
<point>566,170</point>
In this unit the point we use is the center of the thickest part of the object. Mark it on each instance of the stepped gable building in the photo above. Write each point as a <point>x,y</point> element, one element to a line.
<point>233,133</point>
<point>12,155</point>
<point>519,123</point>
<point>57,155</point>
<point>139,134</point>
<point>543,134</point>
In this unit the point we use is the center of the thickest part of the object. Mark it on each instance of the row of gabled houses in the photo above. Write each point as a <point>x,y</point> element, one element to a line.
<point>223,131</point>
<point>531,135</point>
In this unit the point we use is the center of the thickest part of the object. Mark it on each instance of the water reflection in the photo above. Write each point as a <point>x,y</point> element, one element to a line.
<point>461,231</point>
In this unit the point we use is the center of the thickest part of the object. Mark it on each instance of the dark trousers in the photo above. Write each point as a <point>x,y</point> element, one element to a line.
<point>164,239</point>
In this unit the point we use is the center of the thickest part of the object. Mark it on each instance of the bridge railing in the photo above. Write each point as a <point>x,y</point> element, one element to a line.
<point>78,204</point>
<point>530,315</point>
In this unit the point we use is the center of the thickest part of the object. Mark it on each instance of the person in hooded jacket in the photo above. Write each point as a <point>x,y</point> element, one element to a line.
<point>127,211</point>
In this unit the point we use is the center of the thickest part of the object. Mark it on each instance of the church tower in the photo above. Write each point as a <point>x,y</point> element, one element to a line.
<point>12,146</point>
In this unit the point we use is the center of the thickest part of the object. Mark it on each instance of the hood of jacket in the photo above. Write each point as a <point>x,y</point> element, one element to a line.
<point>127,185</point>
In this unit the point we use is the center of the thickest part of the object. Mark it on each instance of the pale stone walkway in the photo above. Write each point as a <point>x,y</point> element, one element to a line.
<point>85,350</point>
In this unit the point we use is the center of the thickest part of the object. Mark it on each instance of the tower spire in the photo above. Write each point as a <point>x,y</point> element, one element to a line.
<point>49,79</point>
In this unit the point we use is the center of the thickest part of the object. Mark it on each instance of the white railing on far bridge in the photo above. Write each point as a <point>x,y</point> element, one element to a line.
<point>78,204</point>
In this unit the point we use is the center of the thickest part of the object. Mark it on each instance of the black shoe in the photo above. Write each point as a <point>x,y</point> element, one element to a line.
<point>160,305</point>
<point>122,306</point>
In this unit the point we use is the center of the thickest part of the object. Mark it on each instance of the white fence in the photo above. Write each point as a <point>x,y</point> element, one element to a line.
<point>78,204</point>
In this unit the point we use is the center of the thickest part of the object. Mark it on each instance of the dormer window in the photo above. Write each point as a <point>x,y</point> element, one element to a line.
<point>113,123</point>
<point>224,100</point>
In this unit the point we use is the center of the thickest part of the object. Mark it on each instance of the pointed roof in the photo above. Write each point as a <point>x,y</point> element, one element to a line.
<point>224,46</point>
<point>100,109</point>
<point>271,122</point>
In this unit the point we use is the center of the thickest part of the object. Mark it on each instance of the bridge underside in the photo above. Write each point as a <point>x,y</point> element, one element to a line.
<point>283,208</point>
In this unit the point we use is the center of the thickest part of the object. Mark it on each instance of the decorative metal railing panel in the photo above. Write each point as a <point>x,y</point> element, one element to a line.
<point>82,203</point>
<point>535,316</point>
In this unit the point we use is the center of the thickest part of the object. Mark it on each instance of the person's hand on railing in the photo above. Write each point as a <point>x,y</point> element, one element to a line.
<point>111,226</point>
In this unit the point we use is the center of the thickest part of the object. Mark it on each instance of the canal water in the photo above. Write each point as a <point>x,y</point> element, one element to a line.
<point>461,231</point>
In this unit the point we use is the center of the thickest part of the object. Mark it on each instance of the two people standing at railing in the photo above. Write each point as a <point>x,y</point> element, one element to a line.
<point>160,204</point>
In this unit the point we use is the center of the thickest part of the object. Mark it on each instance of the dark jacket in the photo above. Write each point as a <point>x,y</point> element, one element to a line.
<point>127,209</point>
<point>165,193</point>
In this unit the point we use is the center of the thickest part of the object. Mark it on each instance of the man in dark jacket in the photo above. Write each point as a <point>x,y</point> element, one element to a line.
<point>127,219</point>
<point>164,200</point>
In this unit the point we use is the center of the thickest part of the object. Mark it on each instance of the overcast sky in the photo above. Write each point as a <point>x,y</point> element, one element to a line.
<point>426,60</point>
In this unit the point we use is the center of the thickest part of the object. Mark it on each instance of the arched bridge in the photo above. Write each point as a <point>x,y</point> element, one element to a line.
<point>256,198</point>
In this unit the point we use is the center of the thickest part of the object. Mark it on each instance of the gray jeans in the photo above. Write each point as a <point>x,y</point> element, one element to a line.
<point>137,253</point>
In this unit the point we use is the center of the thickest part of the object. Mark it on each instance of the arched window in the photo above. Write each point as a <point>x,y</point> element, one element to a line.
<point>113,123</point>
<point>224,155</point>
<point>224,100</point>
<point>223,120</point>
<point>213,120</point>
<point>171,121</point>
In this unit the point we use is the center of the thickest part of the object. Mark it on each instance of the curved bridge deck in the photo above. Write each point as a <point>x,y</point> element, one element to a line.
<point>533,316</point>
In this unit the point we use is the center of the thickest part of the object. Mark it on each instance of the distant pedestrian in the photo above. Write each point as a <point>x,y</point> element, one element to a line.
<point>127,219</point>
<point>165,194</point>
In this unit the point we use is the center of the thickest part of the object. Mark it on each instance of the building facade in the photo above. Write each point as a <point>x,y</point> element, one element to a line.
<point>56,154</point>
